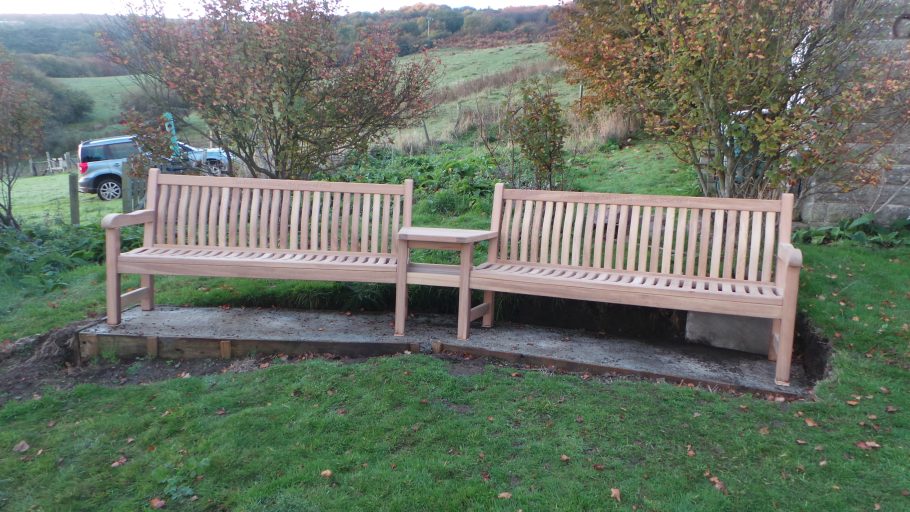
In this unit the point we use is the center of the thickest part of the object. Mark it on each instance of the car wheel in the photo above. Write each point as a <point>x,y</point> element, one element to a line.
<point>109,189</point>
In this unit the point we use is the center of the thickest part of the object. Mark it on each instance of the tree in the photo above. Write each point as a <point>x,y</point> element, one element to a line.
<point>539,129</point>
<point>273,81</point>
<point>755,95</point>
<point>20,133</point>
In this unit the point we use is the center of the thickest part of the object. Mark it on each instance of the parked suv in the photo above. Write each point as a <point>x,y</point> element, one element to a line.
<point>101,163</point>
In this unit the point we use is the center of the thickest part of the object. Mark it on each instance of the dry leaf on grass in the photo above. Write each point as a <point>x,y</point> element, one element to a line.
<point>689,451</point>
<point>119,462</point>
<point>21,447</point>
<point>565,458</point>
<point>157,503</point>
<point>504,495</point>
<point>810,422</point>
<point>326,473</point>
<point>867,445</point>
<point>615,494</point>
<point>718,484</point>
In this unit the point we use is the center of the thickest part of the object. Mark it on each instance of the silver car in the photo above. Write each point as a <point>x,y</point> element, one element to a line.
<point>101,163</point>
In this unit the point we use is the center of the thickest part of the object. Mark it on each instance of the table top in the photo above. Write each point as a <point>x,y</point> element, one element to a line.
<point>445,235</point>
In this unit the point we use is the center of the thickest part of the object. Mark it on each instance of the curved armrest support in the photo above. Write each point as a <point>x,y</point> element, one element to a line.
<point>118,220</point>
<point>790,256</point>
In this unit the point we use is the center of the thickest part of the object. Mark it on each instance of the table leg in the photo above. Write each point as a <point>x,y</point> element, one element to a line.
<point>401,287</point>
<point>464,291</point>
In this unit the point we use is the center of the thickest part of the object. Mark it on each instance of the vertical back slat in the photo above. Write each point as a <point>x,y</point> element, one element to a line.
<point>504,230</point>
<point>232,204</point>
<point>334,237</point>
<point>345,221</point>
<point>171,223</point>
<point>386,219</point>
<point>161,213</point>
<point>730,242</point>
<point>182,214</point>
<point>365,223</point>
<point>516,228</point>
<point>355,222</point>
<point>631,253</point>
<point>692,242</point>
<point>755,246</point>
<point>546,229</point>
<point>275,219</point>
<point>305,215</point>
<point>768,249</point>
<point>588,236</point>
<point>656,225</point>
<point>315,210</point>
<point>294,240</point>
<point>742,245</point>
<point>324,221</point>
<point>598,249</point>
<point>375,220</point>
<point>284,226</point>
<point>679,241</point>
<point>203,230</point>
<point>255,216</point>
<point>644,237</point>
<point>224,208</point>
<point>535,232</point>
<point>244,217</point>
<point>396,223</point>
<point>192,216</point>
<point>265,202</point>
<point>717,243</point>
<point>621,233</point>
<point>566,241</point>
<point>525,236</point>
<point>668,248</point>
<point>577,233</point>
<point>704,237</point>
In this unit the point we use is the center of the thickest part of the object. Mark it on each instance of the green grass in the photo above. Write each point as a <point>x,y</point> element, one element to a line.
<point>107,93</point>
<point>45,199</point>
<point>403,433</point>
<point>645,167</point>
<point>459,65</point>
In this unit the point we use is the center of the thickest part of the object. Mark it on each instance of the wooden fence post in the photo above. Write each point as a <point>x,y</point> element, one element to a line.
<point>74,198</point>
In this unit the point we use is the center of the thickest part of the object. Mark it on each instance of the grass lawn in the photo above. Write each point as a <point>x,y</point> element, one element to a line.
<point>45,199</point>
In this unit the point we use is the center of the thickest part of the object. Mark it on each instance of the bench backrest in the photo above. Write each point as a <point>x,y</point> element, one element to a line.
<point>201,211</point>
<point>685,236</point>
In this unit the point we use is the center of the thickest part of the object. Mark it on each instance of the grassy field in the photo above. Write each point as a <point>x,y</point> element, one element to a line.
<point>45,199</point>
<point>107,93</point>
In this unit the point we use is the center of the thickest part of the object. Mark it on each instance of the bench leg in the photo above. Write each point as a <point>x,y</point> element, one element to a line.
<point>488,298</point>
<point>464,292</point>
<point>147,281</point>
<point>112,281</point>
<point>785,347</point>
<point>401,288</point>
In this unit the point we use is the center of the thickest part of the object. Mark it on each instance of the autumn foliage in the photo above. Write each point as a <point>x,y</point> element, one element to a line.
<point>756,95</point>
<point>273,81</point>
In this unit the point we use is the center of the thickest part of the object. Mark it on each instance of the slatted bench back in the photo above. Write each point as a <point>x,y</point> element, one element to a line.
<point>685,236</point>
<point>244,213</point>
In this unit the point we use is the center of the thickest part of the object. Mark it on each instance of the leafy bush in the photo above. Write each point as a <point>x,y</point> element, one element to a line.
<point>448,203</point>
<point>36,256</point>
<point>862,230</point>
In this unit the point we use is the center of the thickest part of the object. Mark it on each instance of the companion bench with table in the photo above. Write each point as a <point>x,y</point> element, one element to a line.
<point>727,256</point>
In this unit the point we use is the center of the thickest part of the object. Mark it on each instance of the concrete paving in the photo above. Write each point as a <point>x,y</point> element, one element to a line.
<point>202,332</point>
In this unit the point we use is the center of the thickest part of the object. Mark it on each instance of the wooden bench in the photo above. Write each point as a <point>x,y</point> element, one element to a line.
<point>273,229</point>
<point>728,256</point>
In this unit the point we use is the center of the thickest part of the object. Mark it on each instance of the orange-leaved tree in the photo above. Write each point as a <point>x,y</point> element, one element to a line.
<point>273,81</point>
<point>755,95</point>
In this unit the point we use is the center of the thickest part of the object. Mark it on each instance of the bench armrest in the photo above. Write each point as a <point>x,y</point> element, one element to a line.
<point>789,256</point>
<point>118,220</point>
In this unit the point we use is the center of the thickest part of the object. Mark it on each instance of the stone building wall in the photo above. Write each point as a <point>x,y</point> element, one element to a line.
<point>890,199</point>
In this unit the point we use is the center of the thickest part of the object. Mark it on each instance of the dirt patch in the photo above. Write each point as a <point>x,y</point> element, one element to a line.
<point>463,368</point>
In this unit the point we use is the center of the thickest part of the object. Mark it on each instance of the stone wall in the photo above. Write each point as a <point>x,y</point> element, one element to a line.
<point>890,199</point>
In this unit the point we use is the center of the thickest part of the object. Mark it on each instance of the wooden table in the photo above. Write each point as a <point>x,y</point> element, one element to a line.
<point>461,240</point>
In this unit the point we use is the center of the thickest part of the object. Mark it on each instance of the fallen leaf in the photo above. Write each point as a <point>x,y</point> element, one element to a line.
<point>810,422</point>
<point>852,403</point>
<point>598,467</point>
<point>184,375</point>
<point>485,476</point>
<point>221,412</point>
<point>800,442</point>
<point>764,431</point>
<point>689,451</point>
<point>326,473</point>
<point>516,374</point>
<point>615,494</point>
<point>157,503</point>
<point>119,462</point>
<point>129,440</point>
<point>718,484</point>
<point>891,409</point>
<point>21,447</point>
<point>823,462</point>
<point>867,445</point>
<point>696,414</point>
<point>565,458</point>
<point>264,365</point>
<point>579,419</point>
<point>50,424</point>
<point>504,495</point>
<point>489,418</point>
<point>342,412</point>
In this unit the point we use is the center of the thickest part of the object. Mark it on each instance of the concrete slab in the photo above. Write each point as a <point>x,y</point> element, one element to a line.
<point>215,332</point>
